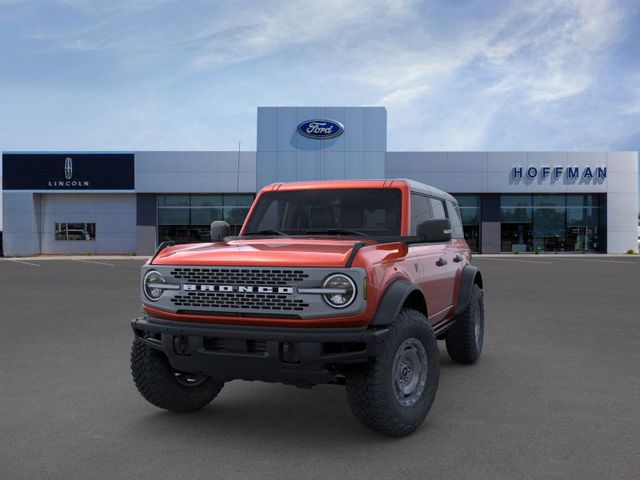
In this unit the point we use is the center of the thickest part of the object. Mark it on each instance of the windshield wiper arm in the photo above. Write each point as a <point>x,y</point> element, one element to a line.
<point>268,232</point>
<point>338,231</point>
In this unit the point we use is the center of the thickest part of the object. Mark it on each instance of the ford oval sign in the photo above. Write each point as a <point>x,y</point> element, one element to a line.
<point>320,129</point>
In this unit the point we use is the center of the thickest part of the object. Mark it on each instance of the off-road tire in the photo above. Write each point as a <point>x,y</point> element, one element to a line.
<point>155,380</point>
<point>370,387</point>
<point>462,344</point>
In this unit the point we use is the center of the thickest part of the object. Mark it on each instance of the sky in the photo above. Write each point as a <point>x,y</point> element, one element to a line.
<point>453,75</point>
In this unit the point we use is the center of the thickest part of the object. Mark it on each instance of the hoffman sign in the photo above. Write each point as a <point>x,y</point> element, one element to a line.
<point>68,171</point>
<point>321,129</point>
<point>569,173</point>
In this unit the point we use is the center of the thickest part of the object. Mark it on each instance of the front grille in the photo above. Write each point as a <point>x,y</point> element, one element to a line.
<point>239,276</point>
<point>239,301</point>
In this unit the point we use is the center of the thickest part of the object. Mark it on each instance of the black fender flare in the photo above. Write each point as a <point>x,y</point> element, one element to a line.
<point>470,276</point>
<point>392,300</point>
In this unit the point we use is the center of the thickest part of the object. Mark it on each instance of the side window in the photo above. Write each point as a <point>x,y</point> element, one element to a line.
<point>420,211</point>
<point>437,207</point>
<point>456,222</point>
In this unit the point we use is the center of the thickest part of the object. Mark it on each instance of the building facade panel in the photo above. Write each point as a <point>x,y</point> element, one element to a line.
<point>504,161</point>
<point>467,162</point>
<point>360,149</point>
<point>509,201</point>
<point>87,223</point>
<point>622,162</point>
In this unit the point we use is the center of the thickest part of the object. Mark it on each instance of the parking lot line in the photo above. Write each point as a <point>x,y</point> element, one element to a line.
<point>22,261</point>
<point>515,260</point>
<point>630,262</point>
<point>93,261</point>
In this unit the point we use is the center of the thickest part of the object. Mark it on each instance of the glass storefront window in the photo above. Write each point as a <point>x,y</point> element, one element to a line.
<point>582,200</point>
<point>173,216</point>
<point>468,201</point>
<point>550,223</point>
<point>173,200</point>
<point>549,200</point>
<point>515,200</point>
<point>187,218</point>
<point>515,215</point>
<point>517,237</point>
<point>198,200</point>
<point>204,216</point>
<point>237,200</point>
<point>470,216</point>
<point>549,229</point>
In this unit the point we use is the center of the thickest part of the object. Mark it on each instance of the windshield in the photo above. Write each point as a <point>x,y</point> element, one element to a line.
<point>353,211</point>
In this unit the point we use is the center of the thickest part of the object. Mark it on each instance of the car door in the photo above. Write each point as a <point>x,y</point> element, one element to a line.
<point>460,247</point>
<point>433,271</point>
<point>446,262</point>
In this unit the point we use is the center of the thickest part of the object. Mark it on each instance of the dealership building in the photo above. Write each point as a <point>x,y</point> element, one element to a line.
<point>127,202</point>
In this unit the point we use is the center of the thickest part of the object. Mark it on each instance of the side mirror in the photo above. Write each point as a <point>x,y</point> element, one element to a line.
<point>219,230</point>
<point>436,230</point>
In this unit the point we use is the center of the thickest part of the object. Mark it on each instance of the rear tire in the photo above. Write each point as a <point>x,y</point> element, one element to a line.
<point>393,393</point>
<point>465,338</point>
<point>167,388</point>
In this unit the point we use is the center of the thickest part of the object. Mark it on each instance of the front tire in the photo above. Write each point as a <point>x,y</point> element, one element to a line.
<point>167,388</point>
<point>393,393</point>
<point>465,338</point>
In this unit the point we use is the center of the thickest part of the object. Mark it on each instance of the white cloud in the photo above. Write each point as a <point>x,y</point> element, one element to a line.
<point>452,79</point>
<point>529,59</point>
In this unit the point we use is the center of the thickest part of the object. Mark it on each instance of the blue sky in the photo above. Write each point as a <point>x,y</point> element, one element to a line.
<point>474,75</point>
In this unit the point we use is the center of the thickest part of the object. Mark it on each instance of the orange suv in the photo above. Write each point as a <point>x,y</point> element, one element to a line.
<point>341,282</point>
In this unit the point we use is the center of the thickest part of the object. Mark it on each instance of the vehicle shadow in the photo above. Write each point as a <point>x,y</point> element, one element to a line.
<point>274,412</point>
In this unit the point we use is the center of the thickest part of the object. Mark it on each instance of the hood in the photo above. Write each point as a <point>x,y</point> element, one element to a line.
<point>286,252</point>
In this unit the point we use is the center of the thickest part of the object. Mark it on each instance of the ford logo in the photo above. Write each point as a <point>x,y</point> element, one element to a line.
<point>320,129</point>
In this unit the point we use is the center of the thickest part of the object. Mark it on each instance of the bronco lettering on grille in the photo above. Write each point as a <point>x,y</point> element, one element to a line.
<point>237,289</point>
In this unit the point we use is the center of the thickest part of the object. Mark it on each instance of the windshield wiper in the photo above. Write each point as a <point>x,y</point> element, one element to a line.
<point>337,231</point>
<point>268,232</point>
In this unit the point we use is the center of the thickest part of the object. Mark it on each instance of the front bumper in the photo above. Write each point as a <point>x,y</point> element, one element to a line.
<point>299,356</point>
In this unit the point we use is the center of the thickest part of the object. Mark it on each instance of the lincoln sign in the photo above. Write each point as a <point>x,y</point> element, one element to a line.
<point>67,171</point>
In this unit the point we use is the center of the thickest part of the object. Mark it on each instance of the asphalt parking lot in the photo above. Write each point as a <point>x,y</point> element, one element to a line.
<point>555,395</point>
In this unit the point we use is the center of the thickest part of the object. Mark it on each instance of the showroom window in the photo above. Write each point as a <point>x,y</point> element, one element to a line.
<point>187,218</point>
<point>75,231</point>
<point>469,206</point>
<point>550,223</point>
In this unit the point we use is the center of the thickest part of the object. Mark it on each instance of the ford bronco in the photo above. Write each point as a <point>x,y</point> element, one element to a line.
<point>341,282</point>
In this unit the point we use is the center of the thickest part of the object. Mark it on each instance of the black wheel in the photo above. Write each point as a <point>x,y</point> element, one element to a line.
<point>465,338</point>
<point>167,388</point>
<point>393,393</point>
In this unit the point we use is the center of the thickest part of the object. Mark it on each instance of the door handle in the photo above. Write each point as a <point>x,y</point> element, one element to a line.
<point>457,258</point>
<point>441,262</point>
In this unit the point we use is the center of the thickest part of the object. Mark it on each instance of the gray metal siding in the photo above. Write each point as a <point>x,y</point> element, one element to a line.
<point>284,155</point>
<point>113,214</point>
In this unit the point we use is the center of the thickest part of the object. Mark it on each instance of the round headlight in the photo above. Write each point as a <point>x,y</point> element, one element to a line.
<point>151,285</point>
<point>343,290</point>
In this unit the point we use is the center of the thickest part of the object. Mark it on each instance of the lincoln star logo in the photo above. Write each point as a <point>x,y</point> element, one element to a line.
<point>68,175</point>
<point>68,168</point>
<point>237,289</point>
<point>320,129</point>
